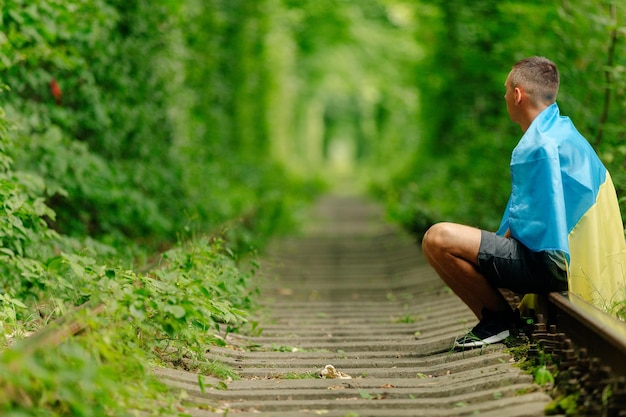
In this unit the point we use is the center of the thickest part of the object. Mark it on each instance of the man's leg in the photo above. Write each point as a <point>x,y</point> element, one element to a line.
<point>452,250</point>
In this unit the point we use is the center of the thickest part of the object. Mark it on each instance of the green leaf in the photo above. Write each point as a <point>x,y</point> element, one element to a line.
<point>13,301</point>
<point>175,310</point>
<point>201,383</point>
<point>543,376</point>
<point>365,395</point>
<point>139,314</point>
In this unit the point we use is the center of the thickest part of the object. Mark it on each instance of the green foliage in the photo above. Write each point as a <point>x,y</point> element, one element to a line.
<point>130,126</point>
<point>191,301</point>
<point>138,116</point>
<point>460,171</point>
<point>71,381</point>
<point>543,376</point>
<point>349,69</point>
<point>564,405</point>
<point>196,296</point>
<point>74,138</point>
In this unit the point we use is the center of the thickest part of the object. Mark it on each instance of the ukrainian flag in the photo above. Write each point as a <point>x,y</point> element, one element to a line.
<point>563,200</point>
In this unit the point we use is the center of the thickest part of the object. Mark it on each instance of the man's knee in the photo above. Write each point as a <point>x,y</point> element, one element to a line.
<point>437,237</point>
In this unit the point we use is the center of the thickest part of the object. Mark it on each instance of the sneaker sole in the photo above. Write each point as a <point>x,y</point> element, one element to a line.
<point>488,341</point>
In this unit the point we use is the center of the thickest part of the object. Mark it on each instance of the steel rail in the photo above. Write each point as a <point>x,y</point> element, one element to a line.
<point>588,327</point>
<point>587,348</point>
<point>61,329</point>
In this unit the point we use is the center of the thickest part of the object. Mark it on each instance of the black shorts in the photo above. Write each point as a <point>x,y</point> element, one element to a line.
<point>506,263</point>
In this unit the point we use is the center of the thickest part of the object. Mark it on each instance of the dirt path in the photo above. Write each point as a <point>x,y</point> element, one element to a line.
<point>353,292</point>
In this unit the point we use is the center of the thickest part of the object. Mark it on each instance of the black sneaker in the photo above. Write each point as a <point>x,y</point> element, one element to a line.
<point>493,328</point>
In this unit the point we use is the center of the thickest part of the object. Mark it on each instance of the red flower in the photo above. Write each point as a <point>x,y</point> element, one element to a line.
<point>56,91</point>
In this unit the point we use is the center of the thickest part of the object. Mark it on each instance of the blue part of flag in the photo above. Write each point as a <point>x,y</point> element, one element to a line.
<point>555,176</point>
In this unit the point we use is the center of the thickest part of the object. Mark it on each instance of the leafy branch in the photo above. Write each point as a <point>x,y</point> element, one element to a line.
<point>607,74</point>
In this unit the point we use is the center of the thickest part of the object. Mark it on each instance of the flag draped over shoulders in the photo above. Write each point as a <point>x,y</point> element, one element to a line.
<point>563,201</point>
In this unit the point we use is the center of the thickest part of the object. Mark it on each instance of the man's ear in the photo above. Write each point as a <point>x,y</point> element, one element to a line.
<point>518,95</point>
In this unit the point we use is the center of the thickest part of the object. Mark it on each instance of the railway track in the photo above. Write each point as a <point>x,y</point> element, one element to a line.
<point>352,300</point>
<point>355,293</point>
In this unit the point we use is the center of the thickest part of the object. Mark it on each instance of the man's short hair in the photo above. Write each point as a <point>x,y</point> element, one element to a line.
<point>538,76</point>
